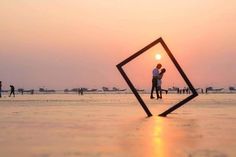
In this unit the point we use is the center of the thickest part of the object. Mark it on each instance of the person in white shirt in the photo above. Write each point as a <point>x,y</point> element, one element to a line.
<point>155,76</point>
<point>159,82</point>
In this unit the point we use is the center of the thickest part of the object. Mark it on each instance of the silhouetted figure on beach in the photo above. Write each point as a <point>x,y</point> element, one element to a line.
<point>159,82</point>
<point>187,91</point>
<point>81,91</point>
<point>178,91</point>
<point>0,89</point>
<point>155,75</point>
<point>12,92</point>
<point>184,90</point>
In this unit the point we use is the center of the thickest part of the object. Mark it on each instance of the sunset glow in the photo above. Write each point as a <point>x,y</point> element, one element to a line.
<point>117,78</point>
<point>158,56</point>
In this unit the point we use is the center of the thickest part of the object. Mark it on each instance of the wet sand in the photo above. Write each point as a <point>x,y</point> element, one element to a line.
<point>114,125</point>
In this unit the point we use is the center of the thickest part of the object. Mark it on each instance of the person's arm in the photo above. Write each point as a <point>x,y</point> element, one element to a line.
<point>160,76</point>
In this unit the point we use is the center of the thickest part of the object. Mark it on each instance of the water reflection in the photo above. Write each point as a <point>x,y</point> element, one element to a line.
<point>158,140</point>
<point>157,137</point>
<point>170,136</point>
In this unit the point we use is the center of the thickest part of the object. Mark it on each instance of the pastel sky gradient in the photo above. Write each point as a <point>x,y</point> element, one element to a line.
<point>74,43</point>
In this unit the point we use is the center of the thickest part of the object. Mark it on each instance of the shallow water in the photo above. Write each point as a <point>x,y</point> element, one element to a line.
<point>67,125</point>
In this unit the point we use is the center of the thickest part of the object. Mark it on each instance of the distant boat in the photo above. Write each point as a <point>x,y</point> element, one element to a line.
<point>105,89</point>
<point>173,89</point>
<point>47,90</point>
<point>21,90</point>
<point>66,90</point>
<point>41,90</point>
<point>114,89</point>
<point>117,89</point>
<point>91,90</point>
<point>78,89</point>
<point>140,90</point>
<point>232,88</point>
<point>213,89</point>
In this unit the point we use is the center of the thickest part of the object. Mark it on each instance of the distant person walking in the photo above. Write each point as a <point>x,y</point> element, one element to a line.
<point>0,89</point>
<point>12,91</point>
<point>155,76</point>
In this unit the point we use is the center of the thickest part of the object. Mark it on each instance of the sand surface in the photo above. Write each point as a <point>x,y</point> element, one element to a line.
<point>114,125</point>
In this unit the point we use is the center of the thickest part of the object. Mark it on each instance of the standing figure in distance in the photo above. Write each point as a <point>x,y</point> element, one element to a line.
<point>0,89</point>
<point>12,91</point>
<point>81,91</point>
<point>155,76</point>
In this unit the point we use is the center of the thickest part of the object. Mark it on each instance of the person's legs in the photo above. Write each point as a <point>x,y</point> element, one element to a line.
<point>160,92</point>
<point>166,91</point>
<point>153,86</point>
<point>157,91</point>
<point>151,96</point>
<point>10,94</point>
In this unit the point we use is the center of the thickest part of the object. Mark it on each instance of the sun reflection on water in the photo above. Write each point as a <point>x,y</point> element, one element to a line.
<point>158,139</point>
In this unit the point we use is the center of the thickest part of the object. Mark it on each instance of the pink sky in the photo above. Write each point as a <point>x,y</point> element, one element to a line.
<point>73,43</point>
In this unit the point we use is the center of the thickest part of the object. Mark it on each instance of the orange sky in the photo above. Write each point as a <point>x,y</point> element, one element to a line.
<point>76,43</point>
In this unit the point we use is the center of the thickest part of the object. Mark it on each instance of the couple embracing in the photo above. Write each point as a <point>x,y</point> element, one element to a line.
<point>157,75</point>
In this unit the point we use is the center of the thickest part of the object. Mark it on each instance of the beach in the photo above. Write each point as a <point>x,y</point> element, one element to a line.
<point>114,125</point>
<point>76,77</point>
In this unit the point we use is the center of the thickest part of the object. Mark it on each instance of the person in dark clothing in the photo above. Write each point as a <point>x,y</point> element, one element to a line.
<point>155,76</point>
<point>12,88</point>
<point>81,91</point>
<point>178,91</point>
<point>202,91</point>
<point>0,89</point>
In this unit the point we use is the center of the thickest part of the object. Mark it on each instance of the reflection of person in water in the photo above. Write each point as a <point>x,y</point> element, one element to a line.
<point>12,91</point>
<point>159,82</point>
<point>0,89</point>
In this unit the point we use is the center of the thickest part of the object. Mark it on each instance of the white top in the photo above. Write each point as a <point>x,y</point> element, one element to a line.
<point>155,72</point>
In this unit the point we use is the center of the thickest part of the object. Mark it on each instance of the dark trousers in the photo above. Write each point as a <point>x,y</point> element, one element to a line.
<point>154,86</point>
<point>12,93</point>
